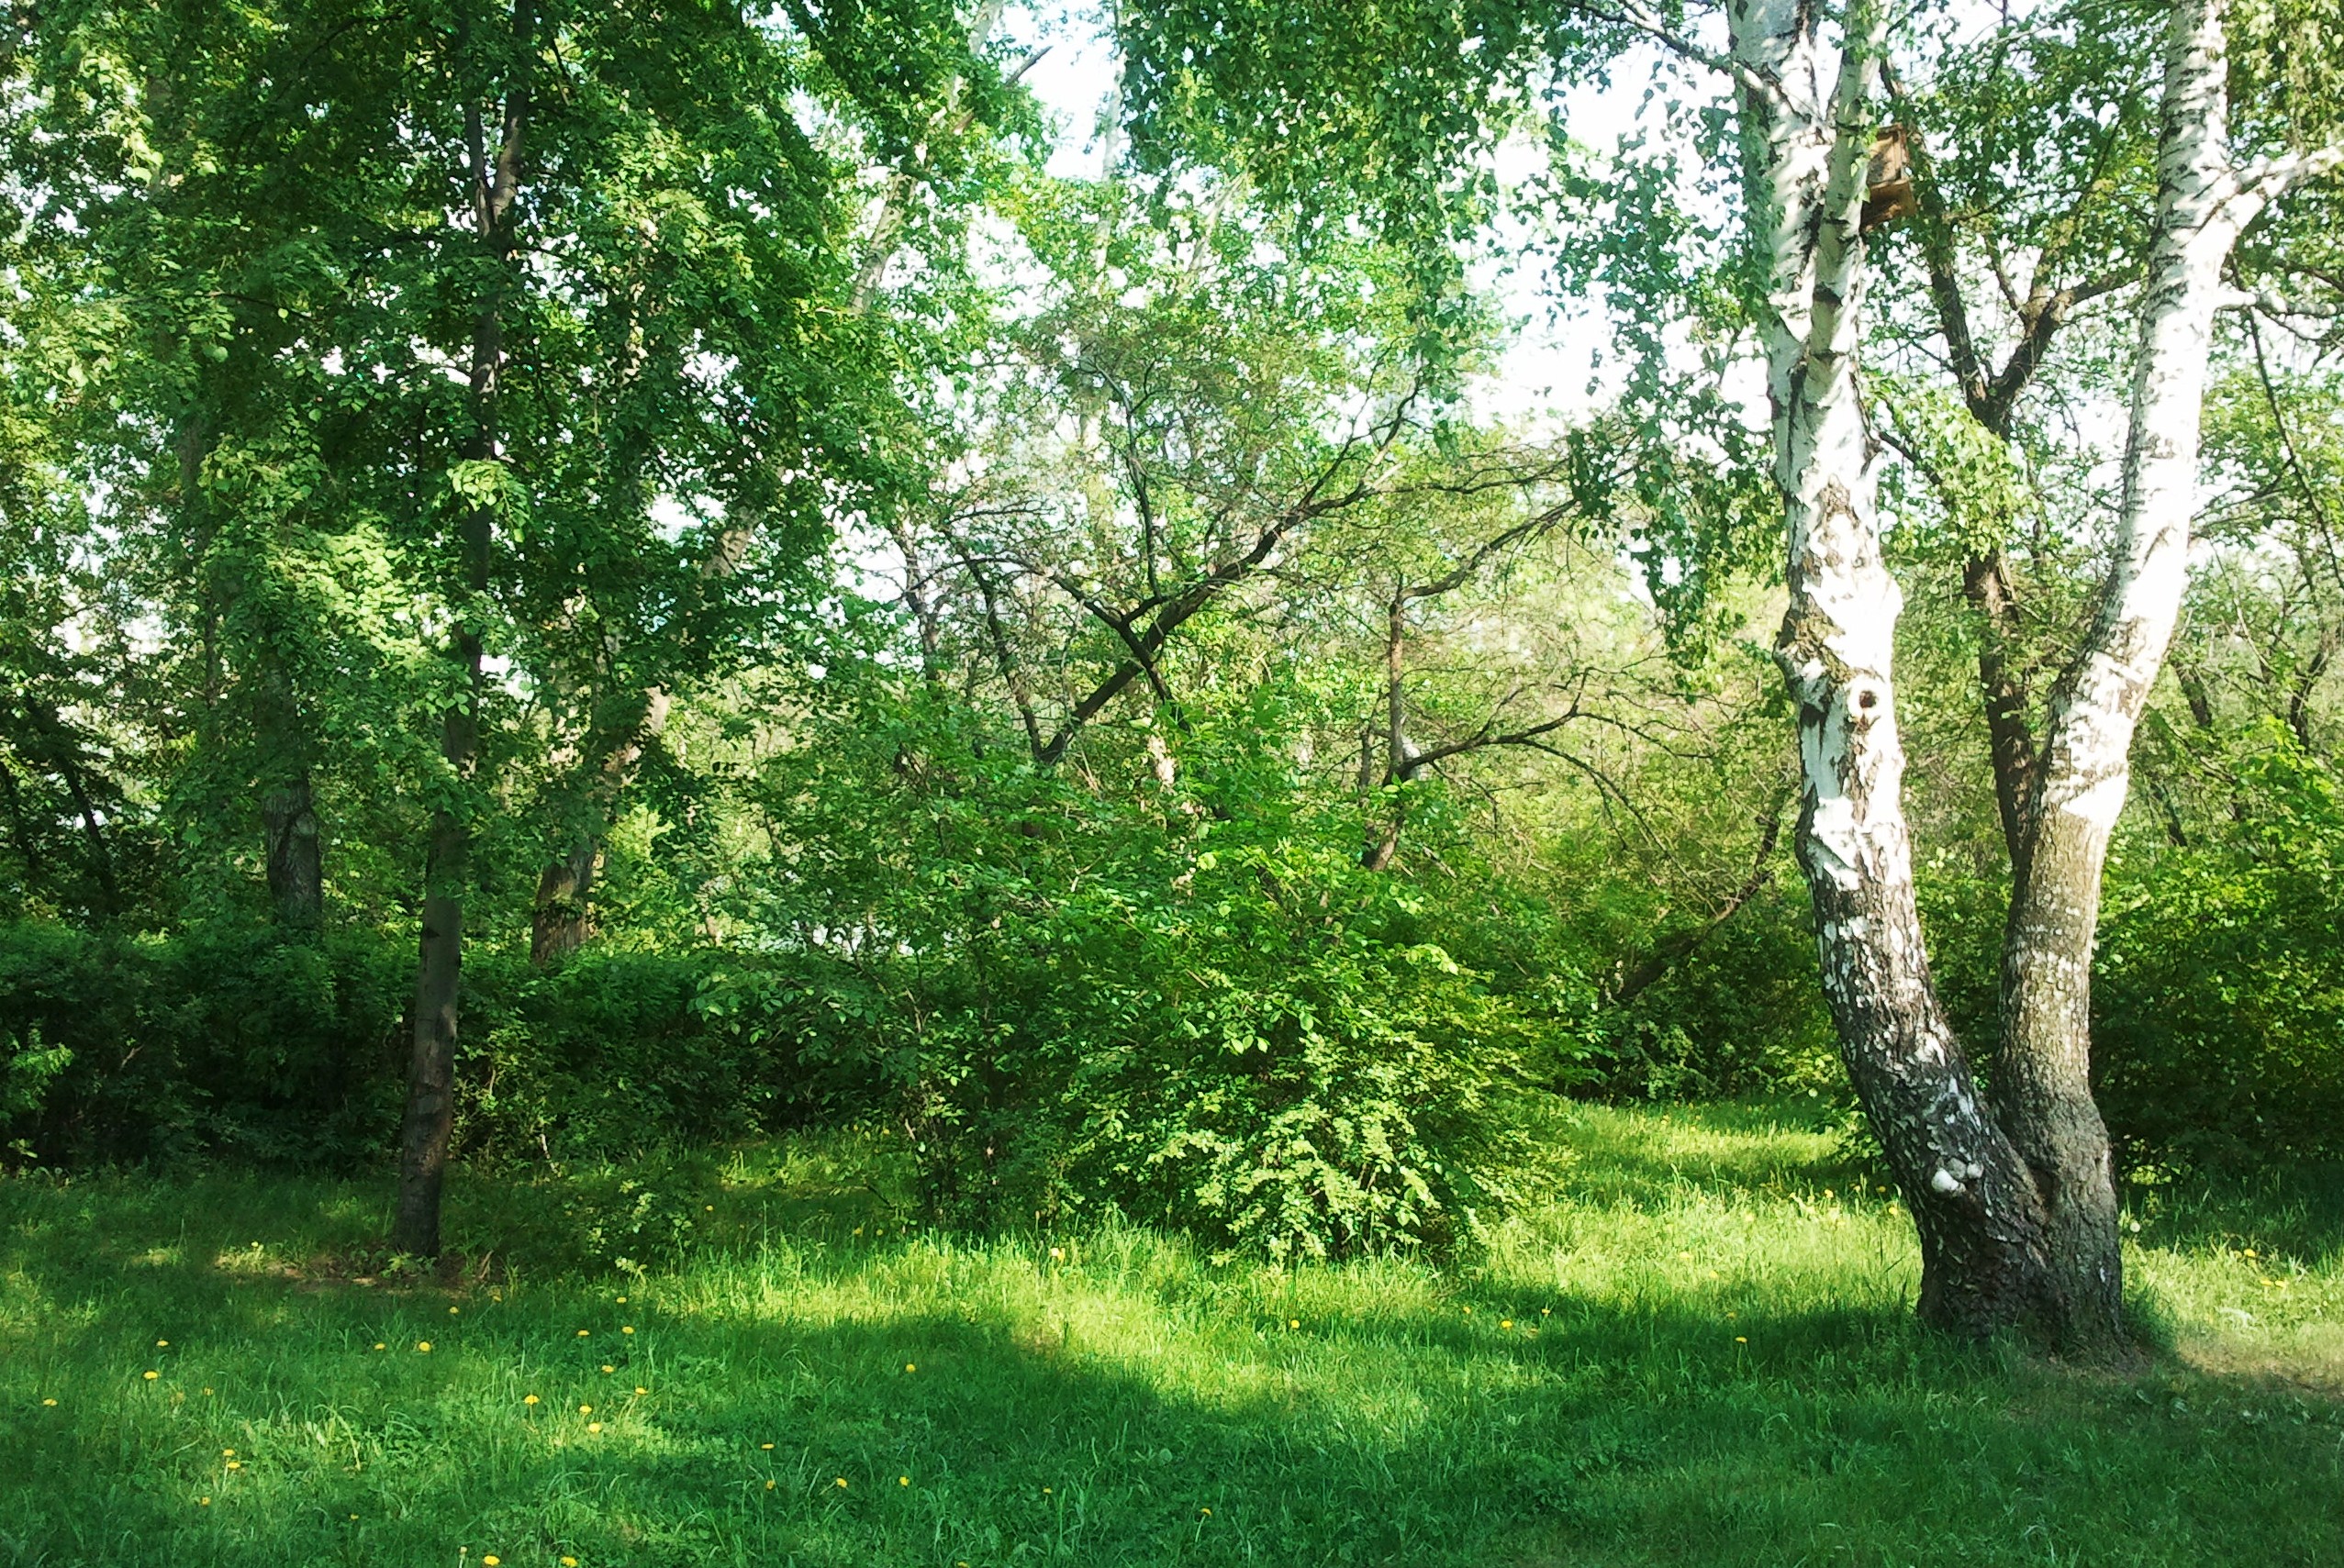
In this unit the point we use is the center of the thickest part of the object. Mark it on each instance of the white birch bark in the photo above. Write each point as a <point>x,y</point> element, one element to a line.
<point>1805,149</point>
<point>2043,1071</point>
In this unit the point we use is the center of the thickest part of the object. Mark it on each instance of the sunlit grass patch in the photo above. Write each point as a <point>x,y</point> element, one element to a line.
<point>1696,1347</point>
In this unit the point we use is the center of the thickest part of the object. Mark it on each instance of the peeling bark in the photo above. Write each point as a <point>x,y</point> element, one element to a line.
<point>1806,136</point>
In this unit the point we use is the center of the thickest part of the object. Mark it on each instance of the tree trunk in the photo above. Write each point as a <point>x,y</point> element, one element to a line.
<point>560,923</point>
<point>2043,1073</point>
<point>430,1097</point>
<point>295,866</point>
<point>1983,1260</point>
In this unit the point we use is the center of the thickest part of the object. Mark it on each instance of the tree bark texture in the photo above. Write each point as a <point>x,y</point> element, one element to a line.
<point>296,862</point>
<point>1807,134</point>
<point>429,1119</point>
<point>2043,1070</point>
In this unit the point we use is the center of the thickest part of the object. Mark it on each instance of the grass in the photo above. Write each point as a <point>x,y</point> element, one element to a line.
<point>1696,1350</point>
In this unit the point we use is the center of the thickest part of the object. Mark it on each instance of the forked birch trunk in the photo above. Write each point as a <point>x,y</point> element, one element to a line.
<point>1807,131</point>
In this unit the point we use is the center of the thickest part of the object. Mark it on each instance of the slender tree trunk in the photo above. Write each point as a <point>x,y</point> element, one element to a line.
<point>296,864</point>
<point>2043,1073</point>
<point>1806,142</point>
<point>431,1099</point>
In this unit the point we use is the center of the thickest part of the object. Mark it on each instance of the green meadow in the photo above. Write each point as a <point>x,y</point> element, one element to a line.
<point>1695,1347</point>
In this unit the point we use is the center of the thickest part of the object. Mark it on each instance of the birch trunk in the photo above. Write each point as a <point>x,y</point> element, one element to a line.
<point>2043,1071</point>
<point>1805,145</point>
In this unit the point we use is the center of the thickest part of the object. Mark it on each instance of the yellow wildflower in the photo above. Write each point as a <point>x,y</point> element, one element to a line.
<point>910,1366</point>
<point>1741,1338</point>
<point>234,1464</point>
<point>51,1403</point>
<point>586,1409</point>
<point>628,1329</point>
<point>569,1563</point>
<point>1206,1512</point>
<point>452,1312</point>
<point>151,1376</point>
<point>1294,1322</point>
<point>489,1560</point>
<point>583,1332</point>
<point>165,1344</point>
<point>903,1480</point>
<point>203,1502</point>
<point>594,1426</point>
<point>842,1483</point>
<point>769,1485</point>
<point>1505,1322</point>
<point>640,1389</point>
<point>228,1453</point>
<point>529,1398</point>
<point>608,1367</point>
<point>422,1345</point>
<point>379,1345</point>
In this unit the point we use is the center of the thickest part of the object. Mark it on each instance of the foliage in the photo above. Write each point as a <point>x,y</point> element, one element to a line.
<point>2219,1014</point>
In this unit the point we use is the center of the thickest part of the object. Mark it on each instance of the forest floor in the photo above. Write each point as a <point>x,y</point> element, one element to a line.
<point>1698,1349</point>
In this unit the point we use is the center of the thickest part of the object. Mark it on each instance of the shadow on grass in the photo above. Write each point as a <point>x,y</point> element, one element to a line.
<point>1014,1412</point>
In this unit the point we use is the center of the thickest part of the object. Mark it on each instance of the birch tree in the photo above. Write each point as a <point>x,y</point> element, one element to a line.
<point>2014,1201</point>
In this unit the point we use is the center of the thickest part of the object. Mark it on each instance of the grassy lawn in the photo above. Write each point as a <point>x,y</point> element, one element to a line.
<point>1694,1349</point>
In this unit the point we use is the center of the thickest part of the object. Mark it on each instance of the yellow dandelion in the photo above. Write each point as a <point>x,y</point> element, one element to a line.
<point>623,1301</point>
<point>903,1480</point>
<point>51,1403</point>
<point>234,1464</point>
<point>151,1376</point>
<point>771,1484</point>
<point>228,1453</point>
<point>353,1518</point>
<point>423,1345</point>
<point>1468,1312</point>
<point>1206,1512</point>
<point>1505,1322</point>
<point>586,1409</point>
<point>640,1389</point>
<point>842,1483</point>
<point>569,1563</point>
<point>207,1391</point>
<point>489,1560</point>
<point>1546,1312</point>
<point>380,1346</point>
<point>709,1207</point>
<point>910,1366</point>
<point>165,1344</point>
<point>584,1332</point>
<point>629,1329</point>
<point>608,1367</point>
<point>766,1446</point>
<point>1741,1338</point>
<point>1045,1491</point>
<point>1057,1254</point>
<point>203,1502</point>
<point>452,1312</point>
<point>1684,1254</point>
<point>529,1398</point>
<point>594,1426</point>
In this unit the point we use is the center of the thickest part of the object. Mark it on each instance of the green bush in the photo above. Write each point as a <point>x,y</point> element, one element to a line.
<point>2218,1004</point>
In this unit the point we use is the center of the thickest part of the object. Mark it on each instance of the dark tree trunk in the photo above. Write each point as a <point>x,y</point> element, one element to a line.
<point>429,1123</point>
<point>297,867</point>
<point>560,923</point>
